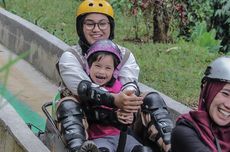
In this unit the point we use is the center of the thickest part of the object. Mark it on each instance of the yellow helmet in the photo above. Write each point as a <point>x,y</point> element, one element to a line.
<point>95,6</point>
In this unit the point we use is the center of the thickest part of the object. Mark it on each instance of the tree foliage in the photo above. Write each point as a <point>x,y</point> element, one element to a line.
<point>163,18</point>
<point>221,22</point>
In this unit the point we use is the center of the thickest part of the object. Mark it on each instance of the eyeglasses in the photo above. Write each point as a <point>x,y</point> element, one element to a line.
<point>102,25</point>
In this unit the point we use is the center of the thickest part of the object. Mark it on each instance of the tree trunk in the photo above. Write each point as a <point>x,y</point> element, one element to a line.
<point>161,22</point>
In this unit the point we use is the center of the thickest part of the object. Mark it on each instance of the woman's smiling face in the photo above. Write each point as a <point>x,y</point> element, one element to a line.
<point>96,33</point>
<point>219,109</point>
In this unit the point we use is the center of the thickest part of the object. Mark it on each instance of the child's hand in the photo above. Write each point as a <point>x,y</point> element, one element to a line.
<point>125,117</point>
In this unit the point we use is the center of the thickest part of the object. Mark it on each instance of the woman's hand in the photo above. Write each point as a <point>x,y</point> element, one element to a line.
<point>153,132</point>
<point>128,101</point>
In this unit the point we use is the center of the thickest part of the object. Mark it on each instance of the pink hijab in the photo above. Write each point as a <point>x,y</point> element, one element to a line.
<point>207,129</point>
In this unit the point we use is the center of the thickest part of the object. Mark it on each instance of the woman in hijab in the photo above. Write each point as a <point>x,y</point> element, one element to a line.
<point>208,128</point>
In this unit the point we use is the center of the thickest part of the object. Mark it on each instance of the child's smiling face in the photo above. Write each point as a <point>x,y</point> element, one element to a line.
<point>101,71</point>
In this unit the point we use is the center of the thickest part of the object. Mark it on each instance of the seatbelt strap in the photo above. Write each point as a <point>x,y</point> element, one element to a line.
<point>77,55</point>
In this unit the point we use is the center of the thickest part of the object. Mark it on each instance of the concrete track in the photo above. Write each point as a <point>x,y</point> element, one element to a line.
<point>26,83</point>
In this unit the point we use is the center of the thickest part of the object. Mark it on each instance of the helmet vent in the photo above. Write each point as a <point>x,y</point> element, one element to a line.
<point>95,6</point>
<point>208,70</point>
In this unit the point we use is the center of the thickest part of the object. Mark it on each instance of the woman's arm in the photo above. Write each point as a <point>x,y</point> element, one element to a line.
<point>71,71</point>
<point>129,72</point>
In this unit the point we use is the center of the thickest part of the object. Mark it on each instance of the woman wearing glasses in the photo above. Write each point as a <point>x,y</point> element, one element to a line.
<point>94,21</point>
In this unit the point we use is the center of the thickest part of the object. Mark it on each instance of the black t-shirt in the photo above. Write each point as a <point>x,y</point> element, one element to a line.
<point>185,138</point>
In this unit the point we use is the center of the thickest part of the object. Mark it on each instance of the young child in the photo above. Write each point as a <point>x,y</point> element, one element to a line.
<point>103,65</point>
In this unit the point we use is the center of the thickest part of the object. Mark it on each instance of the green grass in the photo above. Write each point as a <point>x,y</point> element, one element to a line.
<point>174,69</point>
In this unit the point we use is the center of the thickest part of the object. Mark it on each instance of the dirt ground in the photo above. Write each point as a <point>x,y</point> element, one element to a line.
<point>26,83</point>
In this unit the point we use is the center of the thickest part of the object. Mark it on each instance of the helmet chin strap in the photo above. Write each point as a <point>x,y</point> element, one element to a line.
<point>204,83</point>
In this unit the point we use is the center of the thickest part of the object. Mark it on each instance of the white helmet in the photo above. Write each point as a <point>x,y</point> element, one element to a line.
<point>219,69</point>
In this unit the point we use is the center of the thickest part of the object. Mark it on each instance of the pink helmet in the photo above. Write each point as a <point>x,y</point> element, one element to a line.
<point>105,46</point>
